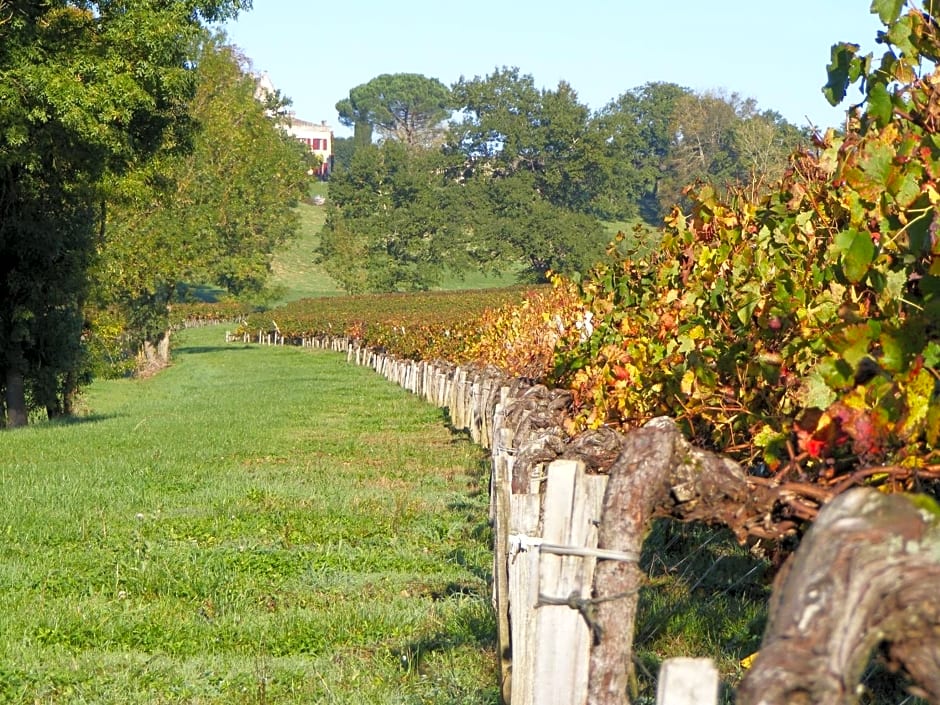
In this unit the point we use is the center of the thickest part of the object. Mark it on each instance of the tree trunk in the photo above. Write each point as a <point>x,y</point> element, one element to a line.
<point>69,392</point>
<point>154,355</point>
<point>17,413</point>
<point>865,577</point>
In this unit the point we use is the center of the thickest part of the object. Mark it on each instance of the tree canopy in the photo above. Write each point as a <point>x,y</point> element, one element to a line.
<point>85,88</point>
<point>524,176</point>
<point>132,154</point>
<point>408,107</point>
<point>211,214</point>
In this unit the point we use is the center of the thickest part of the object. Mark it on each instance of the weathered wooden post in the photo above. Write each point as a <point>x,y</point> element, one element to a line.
<point>687,681</point>
<point>563,638</point>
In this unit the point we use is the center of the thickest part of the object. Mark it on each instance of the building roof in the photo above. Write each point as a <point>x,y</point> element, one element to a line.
<point>294,120</point>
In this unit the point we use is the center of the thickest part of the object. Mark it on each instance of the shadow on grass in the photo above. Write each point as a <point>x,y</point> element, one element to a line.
<point>471,627</point>
<point>74,420</point>
<point>705,596</point>
<point>203,349</point>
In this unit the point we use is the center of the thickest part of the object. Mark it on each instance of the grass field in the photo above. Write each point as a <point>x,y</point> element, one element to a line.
<point>253,525</point>
<point>295,273</point>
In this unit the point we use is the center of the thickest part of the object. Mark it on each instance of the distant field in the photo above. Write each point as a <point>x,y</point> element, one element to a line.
<point>295,274</point>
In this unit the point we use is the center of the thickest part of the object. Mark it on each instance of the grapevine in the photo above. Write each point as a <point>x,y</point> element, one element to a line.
<point>799,332</point>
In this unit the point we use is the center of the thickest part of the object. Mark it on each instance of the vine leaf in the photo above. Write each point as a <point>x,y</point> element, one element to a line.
<point>844,69</point>
<point>887,10</point>
<point>879,104</point>
<point>857,250</point>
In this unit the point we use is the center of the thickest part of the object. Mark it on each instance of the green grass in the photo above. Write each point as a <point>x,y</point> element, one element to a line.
<point>462,281</point>
<point>295,274</point>
<point>253,525</point>
<point>705,596</point>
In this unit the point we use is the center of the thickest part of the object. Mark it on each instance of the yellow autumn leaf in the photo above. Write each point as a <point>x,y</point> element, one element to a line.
<point>687,383</point>
<point>932,194</point>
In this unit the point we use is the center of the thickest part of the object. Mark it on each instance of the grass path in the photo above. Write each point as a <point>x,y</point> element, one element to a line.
<point>253,525</point>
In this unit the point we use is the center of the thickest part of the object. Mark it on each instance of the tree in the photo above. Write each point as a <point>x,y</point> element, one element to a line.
<point>407,107</point>
<point>389,227</point>
<point>84,88</point>
<point>212,214</point>
<point>512,186</point>
<point>530,164</point>
<point>636,129</point>
<point>725,141</point>
<point>510,224</point>
<point>343,148</point>
<point>763,144</point>
<point>702,146</point>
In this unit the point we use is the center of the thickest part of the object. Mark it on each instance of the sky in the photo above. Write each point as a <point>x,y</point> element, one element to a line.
<point>774,52</point>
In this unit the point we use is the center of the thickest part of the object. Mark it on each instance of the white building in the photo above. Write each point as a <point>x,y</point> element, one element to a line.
<point>319,139</point>
<point>317,136</point>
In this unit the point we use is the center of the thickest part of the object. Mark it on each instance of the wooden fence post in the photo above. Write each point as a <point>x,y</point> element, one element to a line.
<point>500,492</point>
<point>563,638</point>
<point>523,593</point>
<point>687,681</point>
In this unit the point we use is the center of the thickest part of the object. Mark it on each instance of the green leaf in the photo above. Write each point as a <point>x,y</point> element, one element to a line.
<point>919,237</point>
<point>878,162</point>
<point>895,283</point>
<point>906,188</point>
<point>816,394</point>
<point>932,354</point>
<point>880,106</point>
<point>893,353</point>
<point>853,341</point>
<point>899,34</point>
<point>841,68</point>
<point>887,10</point>
<point>857,252</point>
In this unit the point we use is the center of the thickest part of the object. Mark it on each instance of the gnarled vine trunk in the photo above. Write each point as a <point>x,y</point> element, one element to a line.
<point>865,577</point>
<point>154,354</point>
<point>657,473</point>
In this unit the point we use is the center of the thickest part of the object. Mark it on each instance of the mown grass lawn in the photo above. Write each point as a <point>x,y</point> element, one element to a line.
<point>252,525</point>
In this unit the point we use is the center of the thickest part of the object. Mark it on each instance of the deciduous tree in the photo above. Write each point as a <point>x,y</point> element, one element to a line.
<point>85,87</point>
<point>210,214</point>
<point>532,168</point>
<point>636,130</point>
<point>389,227</point>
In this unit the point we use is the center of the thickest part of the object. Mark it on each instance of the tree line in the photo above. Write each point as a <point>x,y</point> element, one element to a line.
<point>134,159</point>
<point>494,172</point>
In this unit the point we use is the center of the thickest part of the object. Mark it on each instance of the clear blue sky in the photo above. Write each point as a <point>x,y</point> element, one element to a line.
<point>775,52</point>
